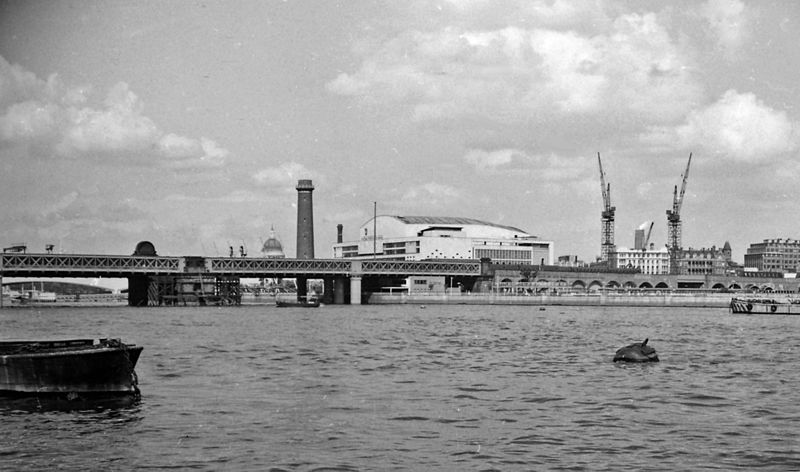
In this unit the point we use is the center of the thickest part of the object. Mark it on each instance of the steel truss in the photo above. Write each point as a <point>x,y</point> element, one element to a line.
<point>378,267</point>
<point>26,264</point>
<point>17,264</point>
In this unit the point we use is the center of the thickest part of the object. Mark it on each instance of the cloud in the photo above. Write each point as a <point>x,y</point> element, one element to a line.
<point>285,175</point>
<point>53,117</point>
<point>728,23</point>
<point>431,191</point>
<point>492,160</point>
<point>550,167</point>
<point>631,68</point>
<point>738,126</point>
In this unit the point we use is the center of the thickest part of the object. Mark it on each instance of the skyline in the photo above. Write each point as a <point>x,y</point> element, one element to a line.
<point>188,124</point>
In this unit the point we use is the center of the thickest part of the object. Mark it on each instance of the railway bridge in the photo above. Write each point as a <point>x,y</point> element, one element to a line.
<point>155,280</point>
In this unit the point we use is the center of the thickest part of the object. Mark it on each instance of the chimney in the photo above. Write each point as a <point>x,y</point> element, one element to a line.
<point>339,233</point>
<point>305,220</point>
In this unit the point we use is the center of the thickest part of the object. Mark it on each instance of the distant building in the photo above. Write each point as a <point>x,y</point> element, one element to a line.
<point>705,261</point>
<point>272,248</point>
<point>774,255</point>
<point>569,261</point>
<point>649,261</point>
<point>414,238</point>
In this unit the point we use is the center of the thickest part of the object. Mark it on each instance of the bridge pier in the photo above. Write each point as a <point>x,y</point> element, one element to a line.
<point>302,287</point>
<point>355,290</point>
<point>339,290</point>
<point>327,290</point>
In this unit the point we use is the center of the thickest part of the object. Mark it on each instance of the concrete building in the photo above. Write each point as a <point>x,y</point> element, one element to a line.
<point>413,238</point>
<point>774,255</point>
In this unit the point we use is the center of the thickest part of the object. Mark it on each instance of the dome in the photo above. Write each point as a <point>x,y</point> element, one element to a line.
<point>272,248</point>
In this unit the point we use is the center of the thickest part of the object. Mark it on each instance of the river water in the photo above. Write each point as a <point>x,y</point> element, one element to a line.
<point>411,388</point>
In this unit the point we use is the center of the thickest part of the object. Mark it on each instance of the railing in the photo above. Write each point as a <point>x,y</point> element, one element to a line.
<point>378,267</point>
<point>11,264</point>
<point>282,266</point>
<point>22,264</point>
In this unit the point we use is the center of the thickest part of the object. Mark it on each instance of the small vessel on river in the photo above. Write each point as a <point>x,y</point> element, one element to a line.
<point>72,367</point>
<point>765,306</point>
<point>301,302</point>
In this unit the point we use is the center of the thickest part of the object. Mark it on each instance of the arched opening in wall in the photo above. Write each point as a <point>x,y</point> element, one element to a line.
<point>612,284</point>
<point>646,285</point>
<point>579,285</point>
<point>751,288</point>
<point>595,286</point>
<point>719,287</point>
<point>766,289</point>
<point>662,285</point>
<point>734,287</point>
<point>629,284</point>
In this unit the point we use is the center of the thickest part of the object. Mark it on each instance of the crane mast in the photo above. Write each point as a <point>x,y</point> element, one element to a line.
<point>607,218</point>
<point>674,222</point>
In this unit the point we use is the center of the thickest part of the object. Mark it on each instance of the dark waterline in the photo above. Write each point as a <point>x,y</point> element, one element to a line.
<point>402,388</point>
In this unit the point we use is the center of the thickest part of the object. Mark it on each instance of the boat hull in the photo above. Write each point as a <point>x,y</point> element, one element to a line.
<point>300,304</point>
<point>68,367</point>
<point>764,307</point>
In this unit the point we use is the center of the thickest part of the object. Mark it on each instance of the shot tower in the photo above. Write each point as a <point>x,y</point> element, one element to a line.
<point>305,220</point>
<point>305,230</point>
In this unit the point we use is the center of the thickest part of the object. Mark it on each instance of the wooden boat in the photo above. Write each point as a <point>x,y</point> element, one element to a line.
<point>71,367</point>
<point>765,306</point>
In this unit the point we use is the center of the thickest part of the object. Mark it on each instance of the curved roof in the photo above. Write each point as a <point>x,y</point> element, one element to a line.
<point>393,226</point>
<point>451,220</point>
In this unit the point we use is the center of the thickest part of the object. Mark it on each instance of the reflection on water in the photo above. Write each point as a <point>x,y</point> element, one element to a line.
<point>66,403</point>
<point>445,388</point>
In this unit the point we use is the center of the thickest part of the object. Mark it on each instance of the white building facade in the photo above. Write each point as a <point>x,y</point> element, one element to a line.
<point>648,261</point>
<point>415,238</point>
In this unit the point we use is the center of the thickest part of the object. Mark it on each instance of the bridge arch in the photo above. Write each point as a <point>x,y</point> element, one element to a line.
<point>734,286</point>
<point>612,284</point>
<point>629,284</point>
<point>662,285</point>
<point>579,284</point>
<point>645,285</point>
<point>595,285</point>
<point>719,286</point>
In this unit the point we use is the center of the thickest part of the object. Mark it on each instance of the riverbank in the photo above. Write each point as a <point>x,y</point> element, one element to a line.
<point>698,300</point>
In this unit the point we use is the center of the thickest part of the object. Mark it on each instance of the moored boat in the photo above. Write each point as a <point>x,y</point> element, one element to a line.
<point>310,302</point>
<point>765,306</point>
<point>71,367</point>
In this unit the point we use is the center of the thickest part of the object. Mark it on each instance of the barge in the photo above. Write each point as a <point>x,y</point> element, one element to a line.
<point>765,306</point>
<point>70,367</point>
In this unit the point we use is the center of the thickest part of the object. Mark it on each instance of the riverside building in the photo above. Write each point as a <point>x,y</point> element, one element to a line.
<point>774,255</point>
<point>414,238</point>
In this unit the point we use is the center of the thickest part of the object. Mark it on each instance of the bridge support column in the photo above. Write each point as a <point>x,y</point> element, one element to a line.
<point>137,290</point>
<point>339,289</point>
<point>355,290</point>
<point>302,287</point>
<point>327,289</point>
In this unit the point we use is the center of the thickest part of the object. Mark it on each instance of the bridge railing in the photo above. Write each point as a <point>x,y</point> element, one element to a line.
<point>20,263</point>
<point>278,266</point>
<point>378,267</point>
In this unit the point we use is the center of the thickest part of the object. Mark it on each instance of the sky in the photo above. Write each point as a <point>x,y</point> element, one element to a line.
<point>188,123</point>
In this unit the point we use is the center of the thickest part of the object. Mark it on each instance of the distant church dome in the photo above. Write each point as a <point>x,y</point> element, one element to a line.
<point>273,249</point>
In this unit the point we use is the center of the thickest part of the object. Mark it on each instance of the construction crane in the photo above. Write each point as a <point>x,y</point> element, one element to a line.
<point>674,222</point>
<point>607,217</point>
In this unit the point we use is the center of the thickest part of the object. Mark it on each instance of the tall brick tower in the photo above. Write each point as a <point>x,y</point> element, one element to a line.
<point>305,220</point>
